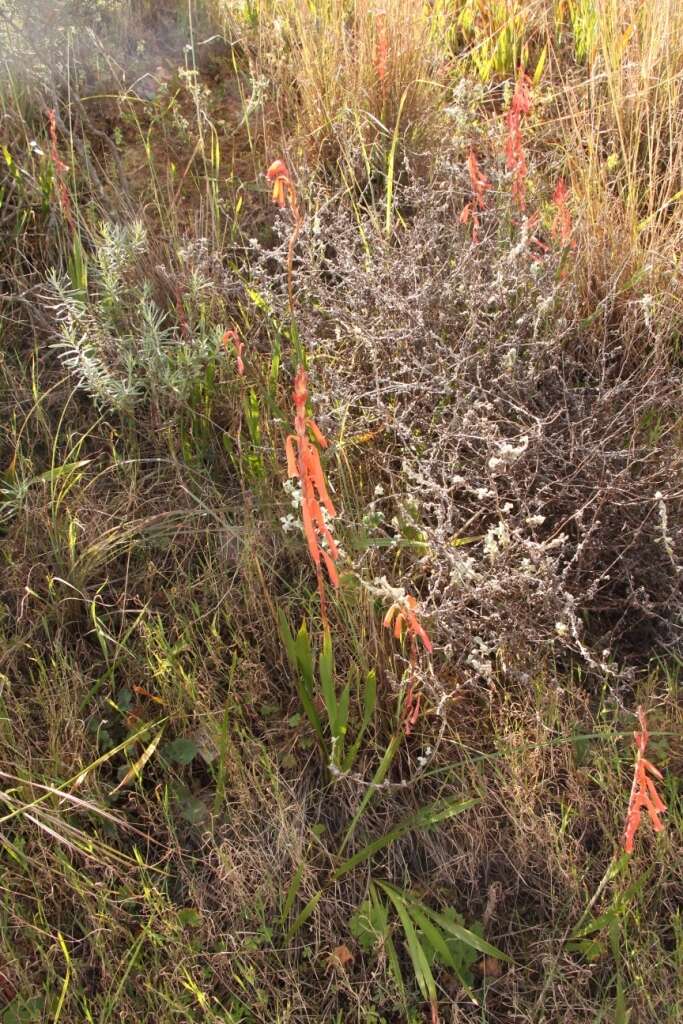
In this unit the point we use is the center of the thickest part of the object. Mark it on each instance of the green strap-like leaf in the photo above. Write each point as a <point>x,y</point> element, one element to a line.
<point>304,915</point>
<point>326,673</point>
<point>436,939</point>
<point>423,974</point>
<point>424,818</point>
<point>294,887</point>
<point>466,936</point>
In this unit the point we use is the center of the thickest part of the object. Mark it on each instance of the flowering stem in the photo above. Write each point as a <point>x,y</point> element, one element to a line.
<point>283,194</point>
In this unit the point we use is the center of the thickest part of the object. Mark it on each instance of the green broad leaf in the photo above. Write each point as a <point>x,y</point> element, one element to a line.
<point>595,924</point>
<point>440,811</point>
<point>306,682</point>
<point>369,851</point>
<point>370,923</point>
<point>590,949</point>
<point>464,955</point>
<point>124,700</point>
<point>50,475</point>
<point>135,769</point>
<point>425,818</point>
<point>343,710</point>
<point>461,542</point>
<point>434,937</point>
<point>24,1011</point>
<point>301,663</point>
<point>378,778</point>
<point>540,65</point>
<point>190,807</point>
<point>189,917</point>
<point>181,750</point>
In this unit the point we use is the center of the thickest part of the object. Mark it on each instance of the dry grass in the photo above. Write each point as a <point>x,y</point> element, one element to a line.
<point>347,74</point>
<point>618,120</point>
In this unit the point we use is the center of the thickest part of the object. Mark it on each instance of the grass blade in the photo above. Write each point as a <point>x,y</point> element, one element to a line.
<point>326,675</point>
<point>300,921</point>
<point>466,936</point>
<point>135,769</point>
<point>292,891</point>
<point>425,818</point>
<point>391,167</point>
<point>378,779</point>
<point>423,974</point>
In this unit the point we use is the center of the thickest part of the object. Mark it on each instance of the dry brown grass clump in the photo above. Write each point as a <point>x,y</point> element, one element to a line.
<point>617,122</point>
<point>348,75</point>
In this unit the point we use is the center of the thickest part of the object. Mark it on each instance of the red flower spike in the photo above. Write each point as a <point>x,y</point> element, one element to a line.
<point>278,175</point>
<point>480,185</point>
<point>283,193</point>
<point>405,614</point>
<point>331,570</point>
<point>233,338</point>
<point>478,180</point>
<point>644,793</point>
<point>283,188</point>
<point>292,469</point>
<point>515,157</point>
<point>411,709</point>
<point>315,472</point>
<point>303,462</point>
<point>521,100</point>
<point>317,434</point>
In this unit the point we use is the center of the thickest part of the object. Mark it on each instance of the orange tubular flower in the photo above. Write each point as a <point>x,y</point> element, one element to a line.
<point>303,462</point>
<point>233,338</point>
<point>278,175</point>
<point>283,189</point>
<point>480,186</point>
<point>643,792</point>
<point>515,157</point>
<point>283,193</point>
<point>404,614</point>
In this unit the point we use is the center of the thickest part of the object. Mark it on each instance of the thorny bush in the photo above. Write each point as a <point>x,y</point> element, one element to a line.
<point>528,466</point>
